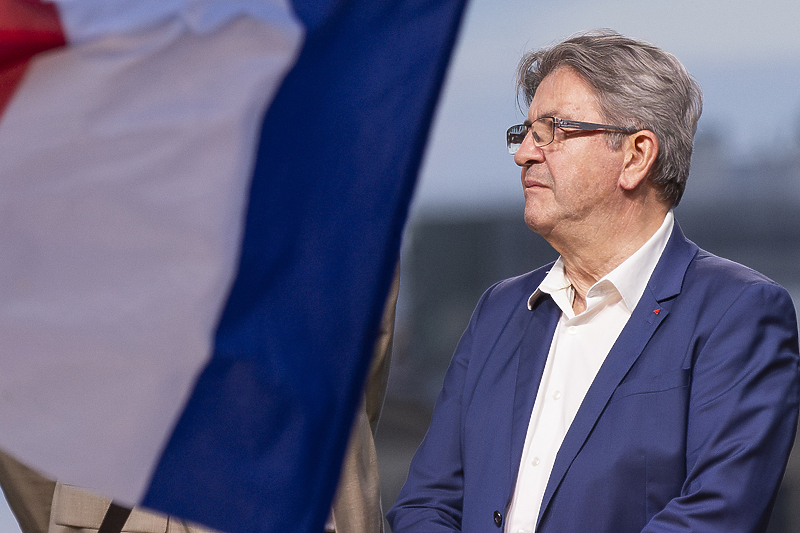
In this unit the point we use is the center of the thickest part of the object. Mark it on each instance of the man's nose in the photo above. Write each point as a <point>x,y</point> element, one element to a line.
<point>528,153</point>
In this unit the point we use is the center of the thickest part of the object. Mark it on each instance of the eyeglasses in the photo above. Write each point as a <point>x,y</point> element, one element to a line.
<point>543,131</point>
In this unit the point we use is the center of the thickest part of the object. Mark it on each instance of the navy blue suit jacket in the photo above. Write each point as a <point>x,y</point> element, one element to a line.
<point>687,426</point>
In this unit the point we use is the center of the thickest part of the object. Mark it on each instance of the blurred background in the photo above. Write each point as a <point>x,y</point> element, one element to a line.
<point>466,229</point>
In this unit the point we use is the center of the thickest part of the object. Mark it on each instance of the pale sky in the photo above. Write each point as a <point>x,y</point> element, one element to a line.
<point>745,55</point>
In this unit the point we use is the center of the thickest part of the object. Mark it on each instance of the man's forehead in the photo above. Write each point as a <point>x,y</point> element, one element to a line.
<point>563,93</point>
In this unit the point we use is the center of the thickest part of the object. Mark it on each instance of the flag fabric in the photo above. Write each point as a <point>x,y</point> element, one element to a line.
<point>201,205</point>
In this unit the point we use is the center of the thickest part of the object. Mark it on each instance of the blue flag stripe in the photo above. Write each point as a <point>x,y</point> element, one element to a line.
<point>259,446</point>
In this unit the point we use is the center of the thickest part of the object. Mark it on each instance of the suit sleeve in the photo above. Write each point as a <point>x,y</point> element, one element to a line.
<point>431,500</point>
<point>742,417</point>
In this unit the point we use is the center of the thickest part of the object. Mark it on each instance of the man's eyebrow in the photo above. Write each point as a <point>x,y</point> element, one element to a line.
<point>528,122</point>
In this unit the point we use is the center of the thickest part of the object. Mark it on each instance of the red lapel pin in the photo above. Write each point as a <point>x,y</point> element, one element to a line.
<point>656,311</point>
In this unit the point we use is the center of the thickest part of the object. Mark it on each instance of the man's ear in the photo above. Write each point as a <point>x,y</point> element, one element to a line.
<point>640,149</point>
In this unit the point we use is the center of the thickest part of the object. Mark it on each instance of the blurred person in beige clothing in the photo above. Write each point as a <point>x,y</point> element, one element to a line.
<point>42,505</point>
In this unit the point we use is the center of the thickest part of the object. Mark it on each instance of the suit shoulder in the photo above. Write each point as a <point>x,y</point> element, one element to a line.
<point>517,286</point>
<point>713,267</point>
<point>511,294</point>
<point>715,279</point>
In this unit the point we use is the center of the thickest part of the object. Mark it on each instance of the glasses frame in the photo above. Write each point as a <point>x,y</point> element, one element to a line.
<point>557,123</point>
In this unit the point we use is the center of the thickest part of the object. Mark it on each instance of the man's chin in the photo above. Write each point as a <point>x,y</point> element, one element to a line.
<point>538,224</point>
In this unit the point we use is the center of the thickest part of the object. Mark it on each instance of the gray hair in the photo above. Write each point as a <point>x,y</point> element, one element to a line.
<point>639,86</point>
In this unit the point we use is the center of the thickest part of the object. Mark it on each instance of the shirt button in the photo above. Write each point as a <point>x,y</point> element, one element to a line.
<point>535,461</point>
<point>557,395</point>
<point>572,330</point>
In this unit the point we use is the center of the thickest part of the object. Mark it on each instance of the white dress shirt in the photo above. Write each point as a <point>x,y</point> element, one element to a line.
<point>579,347</point>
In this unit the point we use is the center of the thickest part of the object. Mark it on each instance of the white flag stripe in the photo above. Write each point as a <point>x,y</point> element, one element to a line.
<point>125,167</point>
<point>85,20</point>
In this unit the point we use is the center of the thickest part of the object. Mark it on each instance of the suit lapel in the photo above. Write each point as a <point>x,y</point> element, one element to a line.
<point>532,355</point>
<point>652,309</point>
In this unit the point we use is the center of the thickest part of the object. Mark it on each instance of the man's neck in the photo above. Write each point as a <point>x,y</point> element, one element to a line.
<point>591,256</point>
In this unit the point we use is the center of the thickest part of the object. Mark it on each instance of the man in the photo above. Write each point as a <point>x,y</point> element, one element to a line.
<point>638,383</point>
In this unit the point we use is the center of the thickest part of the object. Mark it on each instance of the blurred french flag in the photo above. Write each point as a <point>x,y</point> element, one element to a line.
<point>201,205</point>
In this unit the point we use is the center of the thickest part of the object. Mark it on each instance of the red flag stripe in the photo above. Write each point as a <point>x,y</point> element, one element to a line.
<point>27,28</point>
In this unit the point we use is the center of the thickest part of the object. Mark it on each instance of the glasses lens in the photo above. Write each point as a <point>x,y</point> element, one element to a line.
<point>514,137</point>
<point>542,131</point>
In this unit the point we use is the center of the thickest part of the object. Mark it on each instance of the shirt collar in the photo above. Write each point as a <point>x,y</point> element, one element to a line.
<point>629,278</point>
<point>553,283</point>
